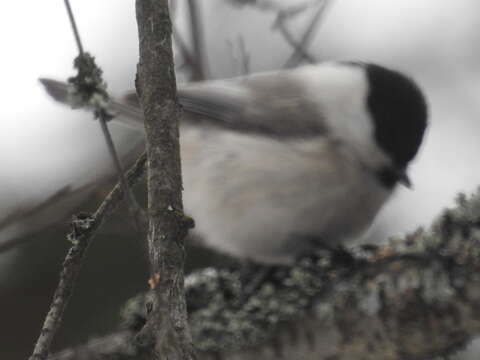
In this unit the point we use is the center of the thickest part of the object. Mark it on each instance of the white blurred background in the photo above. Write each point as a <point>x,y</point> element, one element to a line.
<point>44,147</point>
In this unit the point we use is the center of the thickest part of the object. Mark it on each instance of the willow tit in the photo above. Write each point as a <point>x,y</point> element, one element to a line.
<point>277,163</point>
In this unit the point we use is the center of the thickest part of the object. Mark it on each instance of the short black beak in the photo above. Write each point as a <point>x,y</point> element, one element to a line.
<point>403,178</point>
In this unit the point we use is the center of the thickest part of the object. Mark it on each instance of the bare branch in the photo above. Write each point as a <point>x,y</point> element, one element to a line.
<point>244,57</point>
<point>116,195</point>
<point>166,330</point>
<point>73,24</point>
<point>89,90</point>
<point>139,218</point>
<point>300,47</point>
<point>299,51</point>
<point>240,55</point>
<point>83,231</point>
<point>286,12</point>
<point>71,269</point>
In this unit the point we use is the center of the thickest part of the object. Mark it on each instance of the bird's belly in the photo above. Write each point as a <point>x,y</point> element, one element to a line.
<point>257,199</point>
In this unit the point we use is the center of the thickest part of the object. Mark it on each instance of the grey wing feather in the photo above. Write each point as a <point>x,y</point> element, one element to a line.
<point>273,104</point>
<point>268,104</point>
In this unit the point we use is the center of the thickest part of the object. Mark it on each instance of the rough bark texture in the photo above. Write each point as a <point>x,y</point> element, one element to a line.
<point>71,269</point>
<point>166,333</point>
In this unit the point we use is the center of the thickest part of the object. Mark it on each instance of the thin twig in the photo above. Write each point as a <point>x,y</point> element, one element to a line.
<point>244,56</point>
<point>73,260</point>
<point>299,51</point>
<point>307,36</point>
<point>240,56</point>
<point>71,269</point>
<point>136,211</point>
<point>73,24</point>
<point>111,202</point>
<point>104,116</point>
<point>300,46</point>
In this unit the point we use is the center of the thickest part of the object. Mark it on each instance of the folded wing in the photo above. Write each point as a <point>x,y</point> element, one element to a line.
<point>271,104</point>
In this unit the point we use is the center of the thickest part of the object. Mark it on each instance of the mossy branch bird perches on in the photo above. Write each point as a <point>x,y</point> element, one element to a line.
<point>416,298</point>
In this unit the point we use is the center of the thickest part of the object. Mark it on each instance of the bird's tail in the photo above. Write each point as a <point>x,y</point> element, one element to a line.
<point>127,113</point>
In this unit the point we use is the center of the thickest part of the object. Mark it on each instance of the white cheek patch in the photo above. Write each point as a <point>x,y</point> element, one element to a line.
<point>340,91</point>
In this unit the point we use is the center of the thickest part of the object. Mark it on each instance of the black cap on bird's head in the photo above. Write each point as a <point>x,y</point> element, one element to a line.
<point>391,121</point>
<point>399,111</point>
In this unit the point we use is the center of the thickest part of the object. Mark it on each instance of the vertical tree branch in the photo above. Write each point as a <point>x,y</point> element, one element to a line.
<point>166,329</point>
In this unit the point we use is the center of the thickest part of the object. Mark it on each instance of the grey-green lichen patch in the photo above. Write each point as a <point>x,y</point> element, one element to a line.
<point>401,300</point>
<point>232,321</point>
<point>81,223</point>
<point>87,89</point>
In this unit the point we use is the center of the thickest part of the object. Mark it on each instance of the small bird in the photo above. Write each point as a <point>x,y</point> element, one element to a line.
<point>276,164</point>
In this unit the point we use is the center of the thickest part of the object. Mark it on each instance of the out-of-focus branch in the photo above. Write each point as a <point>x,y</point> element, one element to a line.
<point>300,51</point>
<point>244,57</point>
<point>415,299</point>
<point>193,57</point>
<point>240,56</point>
<point>41,215</point>
<point>25,212</point>
<point>165,334</point>
<point>89,90</point>
<point>286,12</point>
<point>200,69</point>
<point>300,47</point>
<point>117,195</point>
